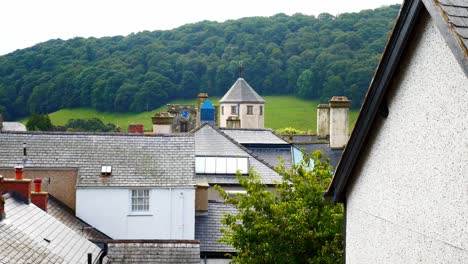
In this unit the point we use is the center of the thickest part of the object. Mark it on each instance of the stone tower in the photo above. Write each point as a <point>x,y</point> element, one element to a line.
<point>242,107</point>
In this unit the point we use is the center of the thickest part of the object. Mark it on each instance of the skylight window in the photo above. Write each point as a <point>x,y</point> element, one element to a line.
<point>221,165</point>
<point>106,170</point>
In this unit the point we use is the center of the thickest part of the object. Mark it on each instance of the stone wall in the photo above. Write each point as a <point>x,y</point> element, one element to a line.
<point>154,251</point>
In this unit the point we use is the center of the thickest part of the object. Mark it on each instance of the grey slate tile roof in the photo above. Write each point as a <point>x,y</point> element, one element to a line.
<point>456,12</point>
<point>154,252</point>
<point>65,215</point>
<point>270,155</point>
<point>241,92</point>
<point>207,228</point>
<point>13,126</point>
<point>25,231</point>
<point>136,160</point>
<point>210,141</point>
<point>333,154</point>
<point>254,136</point>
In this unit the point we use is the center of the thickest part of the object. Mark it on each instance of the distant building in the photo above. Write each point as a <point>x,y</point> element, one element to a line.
<point>11,126</point>
<point>403,176</point>
<point>242,107</point>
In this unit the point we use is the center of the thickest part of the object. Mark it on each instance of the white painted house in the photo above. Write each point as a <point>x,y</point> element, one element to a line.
<point>128,186</point>
<point>403,176</point>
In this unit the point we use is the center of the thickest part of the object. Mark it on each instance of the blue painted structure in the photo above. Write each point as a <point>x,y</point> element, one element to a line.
<point>207,113</point>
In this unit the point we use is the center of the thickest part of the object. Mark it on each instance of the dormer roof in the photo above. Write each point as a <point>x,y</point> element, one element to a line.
<point>241,92</point>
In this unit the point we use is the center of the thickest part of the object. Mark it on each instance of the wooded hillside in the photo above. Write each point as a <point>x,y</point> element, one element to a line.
<point>311,57</point>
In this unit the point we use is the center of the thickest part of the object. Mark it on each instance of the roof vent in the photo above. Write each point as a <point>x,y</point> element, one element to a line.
<point>106,170</point>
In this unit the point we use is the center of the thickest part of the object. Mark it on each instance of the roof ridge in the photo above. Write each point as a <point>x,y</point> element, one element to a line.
<point>242,147</point>
<point>69,133</point>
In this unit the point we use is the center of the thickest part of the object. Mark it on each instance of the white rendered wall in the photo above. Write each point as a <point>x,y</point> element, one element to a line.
<point>323,121</point>
<point>247,121</point>
<point>339,127</point>
<point>224,114</point>
<point>409,201</point>
<point>171,214</point>
<point>162,129</point>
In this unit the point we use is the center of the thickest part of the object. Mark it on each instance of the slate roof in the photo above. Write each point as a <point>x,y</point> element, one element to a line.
<point>65,215</point>
<point>211,141</point>
<point>333,154</point>
<point>13,126</point>
<point>456,14</point>
<point>254,136</point>
<point>450,17</point>
<point>136,160</point>
<point>153,251</point>
<point>30,235</point>
<point>241,92</point>
<point>270,155</point>
<point>207,228</point>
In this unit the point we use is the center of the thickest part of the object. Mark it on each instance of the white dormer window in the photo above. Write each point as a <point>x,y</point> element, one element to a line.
<point>106,170</point>
<point>221,165</point>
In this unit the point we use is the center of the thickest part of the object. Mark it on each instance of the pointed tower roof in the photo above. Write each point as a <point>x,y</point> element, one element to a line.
<point>207,105</point>
<point>241,92</point>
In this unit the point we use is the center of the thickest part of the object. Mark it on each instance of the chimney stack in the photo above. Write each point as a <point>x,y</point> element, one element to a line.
<point>2,200</point>
<point>20,187</point>
<point>201,197</point>
<point>323,120</point>
<point>38,197</point>
<point>339,121</point>
<point>135,129</point>
<point>162,123</point>
<point>201,98</point>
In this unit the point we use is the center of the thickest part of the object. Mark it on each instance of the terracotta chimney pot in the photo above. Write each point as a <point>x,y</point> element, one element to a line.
<point>37,184</point>
<point>19,172</point>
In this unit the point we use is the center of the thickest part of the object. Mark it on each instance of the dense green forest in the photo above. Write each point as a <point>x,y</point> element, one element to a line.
<point>307,56</point>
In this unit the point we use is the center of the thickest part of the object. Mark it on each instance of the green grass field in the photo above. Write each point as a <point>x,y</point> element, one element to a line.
<point>280,112</point>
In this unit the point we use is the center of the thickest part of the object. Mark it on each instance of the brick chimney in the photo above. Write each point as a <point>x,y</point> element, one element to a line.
<point>38,197</point>
<point>20,187</point>
<point>201,197</point>
<point>2,200</point>
<point>135,129</point>
<point>162,123</point>
<point>339,121</point>
<point>323,120</point>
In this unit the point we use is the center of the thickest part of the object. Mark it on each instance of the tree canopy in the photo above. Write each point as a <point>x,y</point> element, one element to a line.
<point>292,224</point>
<point>313,57</point>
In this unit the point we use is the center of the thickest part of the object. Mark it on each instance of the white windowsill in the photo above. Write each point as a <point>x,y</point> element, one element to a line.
<point>140,214</point>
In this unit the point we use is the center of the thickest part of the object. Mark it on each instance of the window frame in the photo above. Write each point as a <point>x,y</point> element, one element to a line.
<point>146,196</point>
<point>233,109</point>
<point>261,110</point>
<point>250,110</point>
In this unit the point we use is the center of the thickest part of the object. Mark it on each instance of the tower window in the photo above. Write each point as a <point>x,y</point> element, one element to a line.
<point>222,110</point>
<point>250,109</point>
<point>261,110</point>
<point>233,110</point>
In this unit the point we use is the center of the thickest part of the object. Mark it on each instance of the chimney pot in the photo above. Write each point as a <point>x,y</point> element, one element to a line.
<point>37,184</point>
<point>19,172</point>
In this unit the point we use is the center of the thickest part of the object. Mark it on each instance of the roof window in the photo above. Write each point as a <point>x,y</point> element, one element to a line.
<point>106,170</point>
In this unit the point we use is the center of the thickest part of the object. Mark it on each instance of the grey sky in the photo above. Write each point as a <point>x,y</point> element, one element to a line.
<point>24,23</point>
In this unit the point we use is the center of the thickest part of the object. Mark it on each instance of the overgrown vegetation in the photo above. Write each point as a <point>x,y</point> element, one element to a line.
<point>306,56</point>
<point>292,224</point>
<point>38,122</point>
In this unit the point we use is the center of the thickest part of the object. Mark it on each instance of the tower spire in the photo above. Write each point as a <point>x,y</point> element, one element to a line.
<point>241,69</point>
